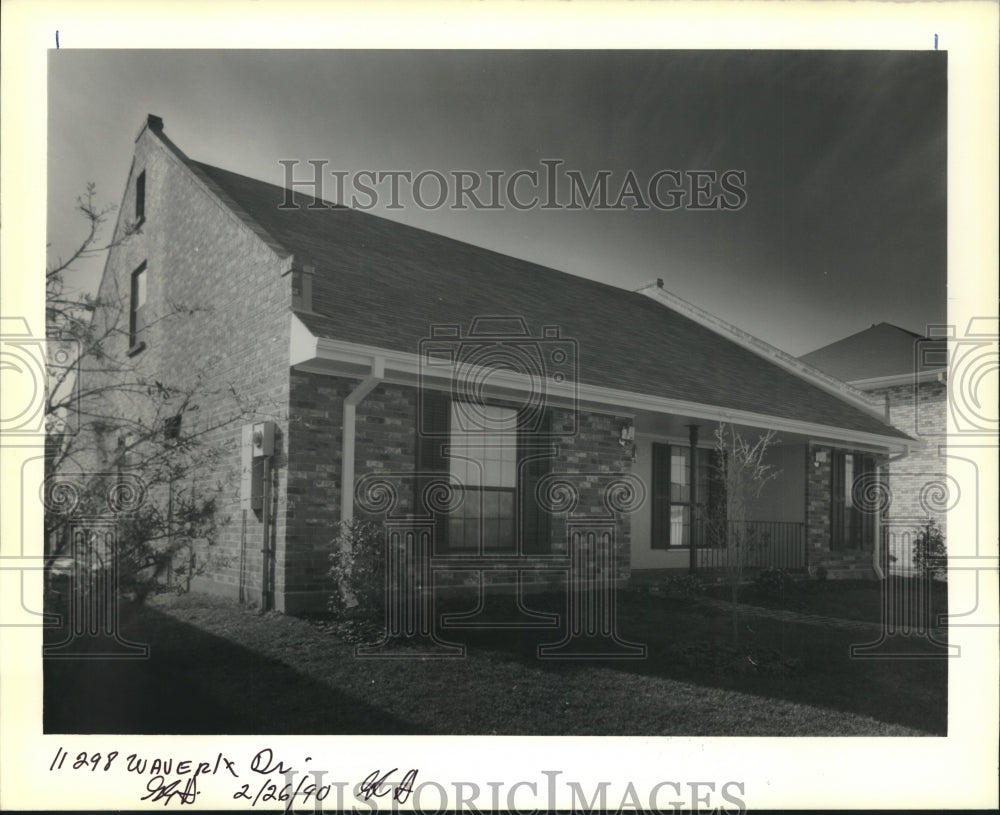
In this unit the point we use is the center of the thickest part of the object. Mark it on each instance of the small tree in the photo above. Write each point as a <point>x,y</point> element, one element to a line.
<point>740,468</point>
<point>930,554</point>
<point>107,417</point>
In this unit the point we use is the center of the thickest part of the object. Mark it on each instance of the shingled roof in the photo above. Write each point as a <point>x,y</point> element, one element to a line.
<point>879,351</point>
<point>381,283</point>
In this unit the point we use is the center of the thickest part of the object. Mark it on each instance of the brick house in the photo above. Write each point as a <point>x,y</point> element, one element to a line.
<point>578,417</point>
<point>906,375</point>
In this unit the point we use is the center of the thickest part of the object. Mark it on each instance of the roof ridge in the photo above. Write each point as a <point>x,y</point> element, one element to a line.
<point>769,353</point>
<point>370,243</point>
<point>898,328</point>
<point>854,336</point>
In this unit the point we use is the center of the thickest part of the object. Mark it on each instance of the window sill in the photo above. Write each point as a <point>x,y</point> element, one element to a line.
<point>135,349</point>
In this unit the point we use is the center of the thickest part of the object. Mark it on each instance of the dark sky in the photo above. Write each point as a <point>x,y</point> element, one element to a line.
<point>844,153</point>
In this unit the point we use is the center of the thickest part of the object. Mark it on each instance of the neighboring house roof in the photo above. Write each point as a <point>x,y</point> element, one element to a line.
<point>384,284</point>
<point>881,351</point>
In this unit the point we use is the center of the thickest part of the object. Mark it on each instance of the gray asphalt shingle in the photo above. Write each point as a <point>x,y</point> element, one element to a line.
<point>382,283</point>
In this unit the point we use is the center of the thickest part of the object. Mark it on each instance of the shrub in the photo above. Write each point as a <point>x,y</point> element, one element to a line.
<point>930,555</point>
<point>773,583</point>
<point>157,547</point>
<point>684,583</point>
<point>357,569</point>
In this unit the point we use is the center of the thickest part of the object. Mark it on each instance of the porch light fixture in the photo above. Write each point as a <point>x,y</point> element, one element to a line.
<point>820,457</point>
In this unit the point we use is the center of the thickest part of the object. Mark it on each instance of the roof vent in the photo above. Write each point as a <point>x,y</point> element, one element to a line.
<point>659,282</point>
<point>154,123</point>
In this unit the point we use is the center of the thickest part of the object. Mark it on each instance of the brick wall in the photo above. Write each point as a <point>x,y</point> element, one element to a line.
<point>918,484</point>
<point>386,444</point>
<point>585,456</point>
<point>218,320</point>
<point>230,346</point>
<point>819,476</point>
<point>819,522</point>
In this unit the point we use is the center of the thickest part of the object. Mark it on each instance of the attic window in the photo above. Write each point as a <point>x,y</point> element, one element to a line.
<point>140,198</point>
<point>137,310</point>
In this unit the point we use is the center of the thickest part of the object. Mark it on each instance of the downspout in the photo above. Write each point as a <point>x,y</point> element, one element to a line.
<point>267,556</point>
<point>877,550</point>
<point>351,402</point>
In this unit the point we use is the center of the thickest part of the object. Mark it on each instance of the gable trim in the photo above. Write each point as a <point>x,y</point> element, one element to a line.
<point>938,375</point>
<point>814,376</point>
<point>221,197</point>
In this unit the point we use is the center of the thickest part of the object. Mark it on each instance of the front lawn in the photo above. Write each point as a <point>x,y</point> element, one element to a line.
<point>844,599</point>
<point>218,668</point>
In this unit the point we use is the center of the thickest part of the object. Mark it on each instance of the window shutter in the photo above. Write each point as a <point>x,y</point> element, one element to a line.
<point>837,507</point>
<point>661,496</point>
<point>432,437</point>
<point>533,465</point>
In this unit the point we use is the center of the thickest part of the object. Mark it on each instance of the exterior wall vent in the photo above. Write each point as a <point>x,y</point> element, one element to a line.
<point>302,285</point>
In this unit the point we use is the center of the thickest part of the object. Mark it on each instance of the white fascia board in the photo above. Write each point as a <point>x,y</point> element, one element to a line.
<point>814,376</point>
<point>337,357</point>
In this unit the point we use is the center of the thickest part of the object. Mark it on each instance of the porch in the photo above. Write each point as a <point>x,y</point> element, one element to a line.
<point>749,546</point>
<point>818,512</point>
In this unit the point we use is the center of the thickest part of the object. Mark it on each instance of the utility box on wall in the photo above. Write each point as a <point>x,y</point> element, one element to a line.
<point>262,439</point>
<point>257,444</point>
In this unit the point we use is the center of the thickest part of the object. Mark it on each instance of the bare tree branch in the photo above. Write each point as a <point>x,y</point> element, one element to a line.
<point>106,413</point>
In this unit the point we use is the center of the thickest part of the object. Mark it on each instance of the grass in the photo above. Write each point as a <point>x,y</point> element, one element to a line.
<point>218,668</point>
<point>844,599</point>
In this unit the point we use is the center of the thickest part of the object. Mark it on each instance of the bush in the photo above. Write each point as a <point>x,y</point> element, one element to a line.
<point>684,583</point>
<point>357,569</point>
<point>774,583</point>
<point>157,547</point>
<point>930,555</point>
<point>160,552</point>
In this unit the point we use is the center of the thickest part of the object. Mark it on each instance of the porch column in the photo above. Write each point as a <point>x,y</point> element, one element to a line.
<point>693,486</point>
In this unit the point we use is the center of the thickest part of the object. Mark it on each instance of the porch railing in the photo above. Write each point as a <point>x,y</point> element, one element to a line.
<point>750,545</point>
